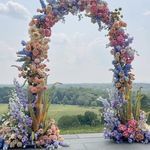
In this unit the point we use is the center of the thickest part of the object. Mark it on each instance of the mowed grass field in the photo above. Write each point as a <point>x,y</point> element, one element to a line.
<point>3,108</point>
<point>57,111</point>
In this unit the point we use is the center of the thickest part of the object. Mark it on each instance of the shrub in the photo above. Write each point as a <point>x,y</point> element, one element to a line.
<point>90,118</point>
<point>81,119</point>
<point>68,121</point>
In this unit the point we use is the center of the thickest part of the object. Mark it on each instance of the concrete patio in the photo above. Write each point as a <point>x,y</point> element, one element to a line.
<point>97,142</point>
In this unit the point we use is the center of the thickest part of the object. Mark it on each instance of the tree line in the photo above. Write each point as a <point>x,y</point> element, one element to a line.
<point>81,96</point>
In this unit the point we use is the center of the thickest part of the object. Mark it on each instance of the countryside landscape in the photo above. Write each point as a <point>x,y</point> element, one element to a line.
<point>75,106</point>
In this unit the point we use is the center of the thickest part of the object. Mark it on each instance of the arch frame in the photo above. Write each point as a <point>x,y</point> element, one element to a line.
<point>121,120</point>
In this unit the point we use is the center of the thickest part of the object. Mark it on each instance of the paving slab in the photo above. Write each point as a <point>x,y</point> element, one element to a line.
<point>97,142</point>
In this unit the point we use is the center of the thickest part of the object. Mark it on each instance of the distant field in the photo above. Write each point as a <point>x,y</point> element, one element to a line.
<point>3,108</point>
<point>57,111</point>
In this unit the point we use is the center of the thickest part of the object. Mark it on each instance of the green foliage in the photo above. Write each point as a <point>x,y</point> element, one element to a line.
<point>4,94</point>
<point>68,121</point>
<point>145,103</point>
<point>89,118</point>
<point>77,96</point>
<point>83,94</point>
<point>83,129</point>
<point>81,119</point>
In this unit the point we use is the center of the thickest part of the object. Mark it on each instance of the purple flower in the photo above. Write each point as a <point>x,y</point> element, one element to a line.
<point>130,140</point>
<point>147,136</point>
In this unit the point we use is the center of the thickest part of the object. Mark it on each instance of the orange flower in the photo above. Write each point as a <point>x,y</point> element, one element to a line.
<point>139,136</point>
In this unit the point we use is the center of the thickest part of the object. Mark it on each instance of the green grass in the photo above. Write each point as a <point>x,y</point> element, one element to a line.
<point>57,111</point>
<point>83,129</point>
<point>3,108</point>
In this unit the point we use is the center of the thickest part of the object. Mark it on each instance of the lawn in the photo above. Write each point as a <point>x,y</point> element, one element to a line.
<point>57,111</point>
<point>3,108</point>
<point>83,129</point>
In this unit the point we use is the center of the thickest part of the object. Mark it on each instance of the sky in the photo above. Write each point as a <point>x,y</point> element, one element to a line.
<point>78,52</point>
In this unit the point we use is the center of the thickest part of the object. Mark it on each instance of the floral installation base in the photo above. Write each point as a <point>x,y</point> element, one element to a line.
<point>122,125</point>
<point>16,126</point>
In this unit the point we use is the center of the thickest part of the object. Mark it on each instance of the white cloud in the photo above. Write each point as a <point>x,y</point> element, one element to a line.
<point>81,58</point>
<point>8,52</point>
<point>7,58</point>
<point>14,9</point>
<point>146,13</point>
<point>75,48</point>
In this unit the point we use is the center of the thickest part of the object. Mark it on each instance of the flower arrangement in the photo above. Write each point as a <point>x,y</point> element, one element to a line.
<point>27,123</point>
<point>122,124</point>
<point>16,128</point>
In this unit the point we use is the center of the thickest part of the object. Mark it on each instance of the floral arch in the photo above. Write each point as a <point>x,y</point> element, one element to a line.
<point>27,122</point>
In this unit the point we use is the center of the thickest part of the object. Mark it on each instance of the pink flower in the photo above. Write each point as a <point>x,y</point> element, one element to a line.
<point>114,43</point>
<point>33,89</point>
<point>126,134</point>
<point>93,9</point>
<point>47,32</point>
<point>122,127</point>
<point>37,61</point>
<point>35,52</point>
<point>130,130</point>
<point>120,39</point>
<point>132,123</point>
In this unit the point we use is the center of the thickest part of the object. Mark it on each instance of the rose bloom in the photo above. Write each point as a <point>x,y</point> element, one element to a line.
<point>132,123</point>
<point>130,130</point>
<point>35,52</point>
<point>122,127</point>
<point>126,134</point>
<point>47,32</point>
<point>33,89</point>
<point>42,142</point>
<point>37,61</point>
<point>37,80</point>
<point>54,137</point>
<point>93,9</point>
<point>45,137</point>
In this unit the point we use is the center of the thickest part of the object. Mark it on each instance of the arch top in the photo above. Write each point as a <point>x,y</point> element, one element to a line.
<point>98,10</point>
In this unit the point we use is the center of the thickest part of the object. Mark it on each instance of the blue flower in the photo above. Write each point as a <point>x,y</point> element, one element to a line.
<point>130,140</point>
<point>118,48</point>
<point>43,4</point>
<point>23,43</point>
<point>1,142</point>
<point>24,52</point>
<point>51,1</point>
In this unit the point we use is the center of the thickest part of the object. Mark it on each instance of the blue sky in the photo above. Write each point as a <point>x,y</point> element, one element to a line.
<point>77,49</point>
